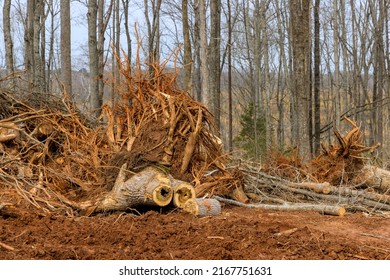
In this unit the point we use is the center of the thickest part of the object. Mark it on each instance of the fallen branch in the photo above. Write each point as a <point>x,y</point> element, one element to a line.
<point>321,208</point>
<point>374,177</point>
<point>316,187</point>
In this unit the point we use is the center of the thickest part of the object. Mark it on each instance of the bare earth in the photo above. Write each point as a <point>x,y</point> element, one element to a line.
<point>238,233</point>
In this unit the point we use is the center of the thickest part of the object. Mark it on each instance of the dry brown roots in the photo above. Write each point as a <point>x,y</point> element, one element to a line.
<point>55,158</point>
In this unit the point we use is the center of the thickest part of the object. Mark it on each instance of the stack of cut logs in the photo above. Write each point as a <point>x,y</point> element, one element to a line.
<point>152,187</point>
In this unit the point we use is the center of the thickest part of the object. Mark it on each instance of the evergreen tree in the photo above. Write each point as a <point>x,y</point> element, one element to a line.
<point>246,138</point>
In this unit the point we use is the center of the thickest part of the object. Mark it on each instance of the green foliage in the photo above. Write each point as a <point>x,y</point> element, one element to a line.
<point>254,144</point>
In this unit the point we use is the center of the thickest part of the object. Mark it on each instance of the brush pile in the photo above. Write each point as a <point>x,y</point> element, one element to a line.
<point>154,143</point>
<point>339,180</point>
<point>156,146</point>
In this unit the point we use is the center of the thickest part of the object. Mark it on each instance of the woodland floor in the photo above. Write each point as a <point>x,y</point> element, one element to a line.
<point>237,233</point>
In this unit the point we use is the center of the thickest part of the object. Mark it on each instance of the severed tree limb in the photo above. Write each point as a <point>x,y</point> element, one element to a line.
<point>353,199</point>
<point>324,187</point>
<point>182,191</point>
<point>202,207</point>
<point>191,143</point>
<point>374,177</point>
<point>376,197</point>
<point>316,187</point>
<point>148,187</point>
<point>321,208</point>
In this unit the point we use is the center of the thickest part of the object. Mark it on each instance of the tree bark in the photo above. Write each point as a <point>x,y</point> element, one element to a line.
<point>187,60</point>
<point>215,59</point>
<point>204,70</point>
<point>300,33</point>
<point>38,63</point>
<point>153,31</point>
<point>316,88</point>
<point>66,56</point>
<point>230,90</point>
<point>8,42</point>
<point>149,187</point>
<point>94,94</point>
<point>125,4</point>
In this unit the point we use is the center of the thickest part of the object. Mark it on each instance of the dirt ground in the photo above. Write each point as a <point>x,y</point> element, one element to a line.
<point>238,233</point>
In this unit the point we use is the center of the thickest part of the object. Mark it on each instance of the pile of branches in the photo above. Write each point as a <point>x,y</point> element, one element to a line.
<point>155,145</point>
<point>340,179</point>
<point>58,159</point>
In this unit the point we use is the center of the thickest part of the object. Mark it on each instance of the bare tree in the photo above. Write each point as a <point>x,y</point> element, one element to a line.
<point>125,4</point>
<point>66,57</point>
<point>300,39</point>
<point>38,53</point>
<point>8,42</point>
<point>96,98</point>
<point>230,90</point>
<point>187,61</point>
<point>316,87</point>
<point>153,30</point>
<point>98,19</point>
<point>204,70</point>
<point>215,59</point>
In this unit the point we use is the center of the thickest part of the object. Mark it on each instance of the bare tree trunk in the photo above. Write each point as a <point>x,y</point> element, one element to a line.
<point>379,70</point>
<point>38,64</point>
<point>9,48</point>
<point>337,109</point>
<point>50,61</point>
<point>153,31</point>
<point>66,62</point>
<point>94,94</point>
<point>125,4</point>
<point>215,59</point>
<point>300,32</point>
<point>28,42</point>
<point>197,85</point>
<point>316,89</point>
<point>230,95</point>
<point>207,99</point>
<point>266,79</point>
<point>257,94</point>
<point>187,61</point>
<point>283,76</point>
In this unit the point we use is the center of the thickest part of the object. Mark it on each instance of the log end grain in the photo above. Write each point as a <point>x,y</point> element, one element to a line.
<point>203,207</point>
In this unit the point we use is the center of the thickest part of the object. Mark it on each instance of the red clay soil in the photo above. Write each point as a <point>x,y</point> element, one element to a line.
<point>238,233</point>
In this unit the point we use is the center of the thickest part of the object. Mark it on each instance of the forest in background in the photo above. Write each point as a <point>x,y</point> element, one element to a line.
<point>277,75</point>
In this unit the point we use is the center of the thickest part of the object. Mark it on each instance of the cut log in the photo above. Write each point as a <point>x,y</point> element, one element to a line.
<point>321,208</point>
<point>203,207</point>
<point>182,191</point>
<point>374,177</point>
<point>150,187</point>
<point>324,187</point>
